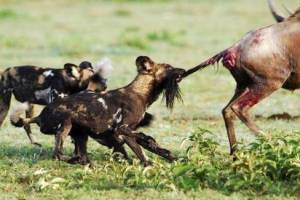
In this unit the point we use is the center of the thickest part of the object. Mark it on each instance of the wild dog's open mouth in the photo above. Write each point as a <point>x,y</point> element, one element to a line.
<point>171,88</point>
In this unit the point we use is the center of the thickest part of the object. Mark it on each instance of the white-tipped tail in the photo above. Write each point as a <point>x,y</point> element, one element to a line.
<point>104,67</point>
<point>17,111</point>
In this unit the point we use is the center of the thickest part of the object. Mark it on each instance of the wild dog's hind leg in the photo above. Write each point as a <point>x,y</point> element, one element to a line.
<point>150,144</point>
<point>118,146</point>
<point>4,105</point>
<point>110,140</point>
<point>60,136</point>
<point>29,115</point>
<point>130,140</point>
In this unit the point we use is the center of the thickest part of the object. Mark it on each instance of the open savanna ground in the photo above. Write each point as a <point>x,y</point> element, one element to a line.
<point>182,33</point>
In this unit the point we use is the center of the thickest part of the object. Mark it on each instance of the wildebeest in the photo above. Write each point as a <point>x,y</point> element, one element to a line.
<point>36,85</point>
<point>261,62</point>
<point>112,117</point>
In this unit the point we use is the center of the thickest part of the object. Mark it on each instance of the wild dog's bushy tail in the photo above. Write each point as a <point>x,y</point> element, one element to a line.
<point>104,67</point>
<point>215,59</point>
<point>15,117</point>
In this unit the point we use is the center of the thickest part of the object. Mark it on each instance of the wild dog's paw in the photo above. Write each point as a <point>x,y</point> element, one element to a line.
<point>73,160</point>
<point>171,157</point>
<point>79,160</point>
<point>168,155</point>
<point>147,163</point>
<point>60,157</point>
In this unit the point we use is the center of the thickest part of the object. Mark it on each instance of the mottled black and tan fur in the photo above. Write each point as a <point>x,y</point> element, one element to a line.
<point>112,117</point>
<point>36,85</point>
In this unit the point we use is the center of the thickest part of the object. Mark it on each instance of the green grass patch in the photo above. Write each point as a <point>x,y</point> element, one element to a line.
<point>269,165</point>
<point>172,38</point>
<point>6,13</point>
<point>122,13</point>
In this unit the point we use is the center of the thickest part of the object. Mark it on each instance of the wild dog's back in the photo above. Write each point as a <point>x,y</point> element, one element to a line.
<point>97,111</point>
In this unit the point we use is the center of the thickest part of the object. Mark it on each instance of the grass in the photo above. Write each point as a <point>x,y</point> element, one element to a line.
<point>182,33</point>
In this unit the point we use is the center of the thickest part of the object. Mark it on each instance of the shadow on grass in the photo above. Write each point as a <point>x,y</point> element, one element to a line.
<point>279,116</point>
<point>21,152</point>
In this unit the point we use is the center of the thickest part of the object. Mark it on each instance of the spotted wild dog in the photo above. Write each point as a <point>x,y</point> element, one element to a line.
<point>112,117</point>
<point>36,85</point>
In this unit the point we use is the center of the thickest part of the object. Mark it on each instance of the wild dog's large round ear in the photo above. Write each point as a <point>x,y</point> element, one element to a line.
<point>85,65</point>
<point>72,70</point>
<point>144,64</point>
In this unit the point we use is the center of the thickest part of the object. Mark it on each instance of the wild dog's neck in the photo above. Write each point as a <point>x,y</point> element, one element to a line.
<point>145,87</point>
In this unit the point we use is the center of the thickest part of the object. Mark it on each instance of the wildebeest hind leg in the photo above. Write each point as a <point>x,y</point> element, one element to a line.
<point>229,117</point>
<point>247,100</point>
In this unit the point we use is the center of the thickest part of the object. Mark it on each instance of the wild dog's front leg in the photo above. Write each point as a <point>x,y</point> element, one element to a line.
<point>80,143</point>
<point>130,140</point>
<point>150,144</point>
<point>60,136</point>
<point>30,136</point>
<point>29,114</point>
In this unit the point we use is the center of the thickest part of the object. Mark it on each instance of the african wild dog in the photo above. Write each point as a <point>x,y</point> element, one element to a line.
<point>111,118</point>
<point>262,62</point>
<point>36,85</point>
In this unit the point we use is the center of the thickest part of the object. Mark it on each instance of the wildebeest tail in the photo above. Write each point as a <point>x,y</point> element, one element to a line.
<point>215,59</point>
